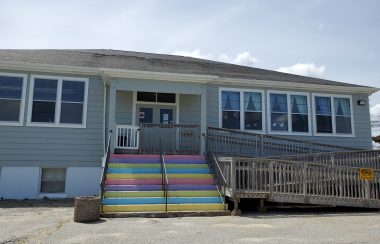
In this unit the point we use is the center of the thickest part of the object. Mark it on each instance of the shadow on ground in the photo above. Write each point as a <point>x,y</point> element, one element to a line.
<point>53,203</point>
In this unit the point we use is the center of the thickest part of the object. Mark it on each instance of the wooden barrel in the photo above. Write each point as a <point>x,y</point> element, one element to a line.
<point>87,209</point>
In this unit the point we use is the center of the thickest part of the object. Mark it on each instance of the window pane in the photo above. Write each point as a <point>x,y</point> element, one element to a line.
<point>53,180</point>
<point>231,120</point>
<point>300,123</point>
<point>10,110</point>
<point>253,120</point>
<point>11,87</point>
<point>279,122</point>
<point>278,103</point>
<point>324,124</point>
<point>43,112</point>
<point>71,113</point>
<point>230,100</point>
<point>166,97</point>
<point>45,90</point>
<point>299,104</point>
<point>73,91</point>
<point>252,101</point>
<point>323,105</point>
<point>343,125</point>
<point>146,96</point>
<point>342,106</point>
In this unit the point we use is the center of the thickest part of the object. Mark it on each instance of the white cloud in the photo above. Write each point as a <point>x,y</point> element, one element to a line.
<point>305,69</point>
<point>243,58</point>
<point>375,113</point>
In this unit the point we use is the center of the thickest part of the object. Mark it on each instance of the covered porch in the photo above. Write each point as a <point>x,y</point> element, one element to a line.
<point>149,116</point>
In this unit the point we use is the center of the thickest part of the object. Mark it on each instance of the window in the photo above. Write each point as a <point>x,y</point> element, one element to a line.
<point>241,109</point>
<point>288,112</point>
<point>12,95</point>
<point>333,115</point>
<point>57,101</point>
<point>156,97</point>
<point>53,180</point>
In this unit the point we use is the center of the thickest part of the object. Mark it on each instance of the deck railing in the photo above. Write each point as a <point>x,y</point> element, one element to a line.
<point>127,137</point>
<point>105,160</point>
<point>170,138</point>
<point>361,159</point>
<point>219,178</point>
<point>164,181</point>
<point>248,144</point>
<point>285,181</point>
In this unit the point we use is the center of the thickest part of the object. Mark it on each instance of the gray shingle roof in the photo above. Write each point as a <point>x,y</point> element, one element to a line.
<point>115,59</point>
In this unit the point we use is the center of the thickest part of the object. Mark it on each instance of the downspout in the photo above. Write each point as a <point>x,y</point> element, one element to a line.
<point>104,109</point>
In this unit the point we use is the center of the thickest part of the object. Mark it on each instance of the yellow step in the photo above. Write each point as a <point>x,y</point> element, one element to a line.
<point>161,207</point>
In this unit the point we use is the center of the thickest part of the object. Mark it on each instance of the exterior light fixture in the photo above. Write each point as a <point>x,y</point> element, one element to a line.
<point>362,102</point>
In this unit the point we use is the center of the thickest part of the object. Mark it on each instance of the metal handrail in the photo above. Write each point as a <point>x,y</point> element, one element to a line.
<point>164,181</point>
<point>105,160</point>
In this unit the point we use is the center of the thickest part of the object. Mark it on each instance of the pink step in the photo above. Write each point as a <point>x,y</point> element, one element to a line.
<point>135,156</point>
<point>133,182</point>
<point>191,181</point>
<point>195,157</point>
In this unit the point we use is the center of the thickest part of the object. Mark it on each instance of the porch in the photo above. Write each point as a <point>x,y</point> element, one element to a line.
<point>148,116</point>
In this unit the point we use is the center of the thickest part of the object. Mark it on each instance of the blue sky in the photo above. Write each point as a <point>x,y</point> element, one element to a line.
<point>337,40</point>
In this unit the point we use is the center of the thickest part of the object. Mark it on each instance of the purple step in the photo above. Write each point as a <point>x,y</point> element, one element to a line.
<point>191,187</point>
<point>134,160</point>
<point>133,188</point>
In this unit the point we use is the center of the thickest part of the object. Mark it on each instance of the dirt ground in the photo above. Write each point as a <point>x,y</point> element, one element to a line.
<point>50,221</point>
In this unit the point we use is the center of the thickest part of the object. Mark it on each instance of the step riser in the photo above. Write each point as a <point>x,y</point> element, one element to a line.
<point>116,194</point>
<point>158,171</point>
<point>161,207</point>
<point>159,187</point>
<point>153,161</point>
<point>156,165</point>
<point>158,182</point>
<point>159,176</point>
<point>160,200</point>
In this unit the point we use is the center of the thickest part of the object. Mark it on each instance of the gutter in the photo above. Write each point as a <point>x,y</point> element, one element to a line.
<point>191,78</point>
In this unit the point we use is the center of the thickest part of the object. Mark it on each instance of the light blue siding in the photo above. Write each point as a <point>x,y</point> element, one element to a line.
<point>190,109</point>
<point>57,147</point>
<point>124,102</point>
<point>362,138</point>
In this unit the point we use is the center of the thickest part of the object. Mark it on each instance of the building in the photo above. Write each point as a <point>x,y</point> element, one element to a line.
<point>57,107</point>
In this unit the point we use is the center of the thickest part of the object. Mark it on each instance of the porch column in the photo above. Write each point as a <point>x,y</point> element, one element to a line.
<point>203,117</point>
<point>111,115</point>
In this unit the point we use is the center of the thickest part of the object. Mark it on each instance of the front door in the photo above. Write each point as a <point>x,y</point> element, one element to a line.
<point>155,114</point>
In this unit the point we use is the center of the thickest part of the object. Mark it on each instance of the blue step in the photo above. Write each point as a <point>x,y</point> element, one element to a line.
<point>158,170</point>
<point>160,200</point>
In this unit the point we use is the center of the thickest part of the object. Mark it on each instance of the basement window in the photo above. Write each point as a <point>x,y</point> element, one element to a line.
<point>53,180</point>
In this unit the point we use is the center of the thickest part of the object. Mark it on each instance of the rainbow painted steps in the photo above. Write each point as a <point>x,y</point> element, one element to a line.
<point>134,184</point>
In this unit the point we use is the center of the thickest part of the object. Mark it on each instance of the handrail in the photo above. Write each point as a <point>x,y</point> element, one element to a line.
<point>210,156</point>
<point>105,160</point>
<point>164,181</point>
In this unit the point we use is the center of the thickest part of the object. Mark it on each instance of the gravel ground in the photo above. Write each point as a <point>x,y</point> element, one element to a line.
<point>52,222</point>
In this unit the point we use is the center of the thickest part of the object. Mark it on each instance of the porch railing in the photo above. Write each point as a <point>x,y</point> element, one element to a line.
<point>127,137</point>
<point>248,144</point>
<point>361,159</point>
<point>105,160</point>
<point>285,181</point>
<point>170,138</point>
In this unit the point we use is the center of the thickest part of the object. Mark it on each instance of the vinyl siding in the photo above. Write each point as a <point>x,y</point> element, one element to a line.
<point>190,109</point>
<point>124,103</point>
<point>60,147</point>
<point>362,138</point>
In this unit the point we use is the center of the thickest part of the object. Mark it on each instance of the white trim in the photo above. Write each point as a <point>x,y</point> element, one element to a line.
<point>289,113</point>
<point>134,97</point>
<point>177,108</point>
<point>20,121</point>
<point>58,102</point>
<point>214,79</point>
<point>242,111</point>
<point>333,117</point>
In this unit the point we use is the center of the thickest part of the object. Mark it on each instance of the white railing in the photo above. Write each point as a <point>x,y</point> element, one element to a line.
<point>127,137</point>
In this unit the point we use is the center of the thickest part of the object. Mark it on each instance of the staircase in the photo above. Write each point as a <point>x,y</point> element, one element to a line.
<point>138,183</point>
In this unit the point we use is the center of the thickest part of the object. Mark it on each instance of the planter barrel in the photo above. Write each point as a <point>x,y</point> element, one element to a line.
<point>87,209</point>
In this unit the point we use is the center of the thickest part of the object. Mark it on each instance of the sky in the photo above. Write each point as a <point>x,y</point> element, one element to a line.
<point>337,40</point>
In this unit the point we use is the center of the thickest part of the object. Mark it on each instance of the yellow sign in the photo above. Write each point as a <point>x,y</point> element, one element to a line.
<point>367,174</point>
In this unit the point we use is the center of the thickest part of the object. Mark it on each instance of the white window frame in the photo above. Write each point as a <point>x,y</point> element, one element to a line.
<point>58,103</point>
<point>242,111</point>
<point>289,113</point>
<point>51,195</point>
<point>20,122</point>
<point>332,96</point>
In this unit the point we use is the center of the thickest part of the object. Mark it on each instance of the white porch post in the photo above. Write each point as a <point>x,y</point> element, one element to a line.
<point>203,118</point>
<point>111,115</point>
